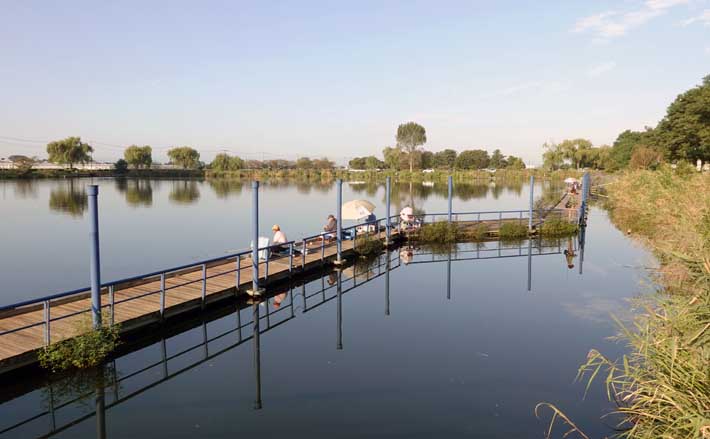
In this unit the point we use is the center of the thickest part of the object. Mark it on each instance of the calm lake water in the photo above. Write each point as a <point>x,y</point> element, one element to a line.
<point>424,345</point>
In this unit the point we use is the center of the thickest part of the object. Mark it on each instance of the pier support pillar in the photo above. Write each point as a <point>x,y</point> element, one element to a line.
<point>388,231</point>
<point>339,218</point>
<point>255,239</point>
<point>530,212</point>
<point>451,194</point>
<point>95,267</point>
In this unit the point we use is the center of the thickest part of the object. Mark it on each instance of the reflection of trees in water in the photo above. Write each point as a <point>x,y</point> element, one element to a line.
<point>184,192</point>
<point>25,188</point>
<point>139,193</point>
<point>224,187</point>
<point>69,199</point>
<point>78,385</point>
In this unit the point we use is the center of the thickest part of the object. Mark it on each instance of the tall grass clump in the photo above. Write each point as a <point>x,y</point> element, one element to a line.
<point>440,232</point>
<point>662,386</point>
<point>366,245</point>
<point>557,227</point>
<point>511,231</point>
<point>87,349</point>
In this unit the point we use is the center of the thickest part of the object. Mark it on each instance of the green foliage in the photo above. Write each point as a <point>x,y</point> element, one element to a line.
<point>625,144</point>
<point>445,159</point>
<point>184,156</point>
<point>87,349</point>
<point>71,200</point>
<point>684,133</point>
<point>393,157</point>
<point>323,163</point>
<point>366,244</point>
<point>557,227</point>
<point>139,156</point>
<point>69,151</point>
<point>410,136</point>
<point>369,162</point>
<point>498,160</point>
<point>473,159</point>
<point>512,230</point>
<point>426,160</point>
<point>223,162</point>
<point>121,166</point>
<point>644,158</point>
<point>515,163</point>
<point>479,232</point>
<point>304,163</point>
<point>441,232</point>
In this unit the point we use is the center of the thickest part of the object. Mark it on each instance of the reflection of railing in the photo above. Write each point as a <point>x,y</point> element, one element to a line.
<point>502,250</point>
<point>284,312</point>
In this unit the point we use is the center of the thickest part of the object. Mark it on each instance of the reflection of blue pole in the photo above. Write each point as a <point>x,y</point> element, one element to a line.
<point>257,354</point>
<point>95,267</point>
<point>387,285</point>
<point>529,264</point>
<point>255,236</point>
<point>448,277</point>
<point>387,213</point>
<point>530,212</point>
<point>451,190</point>
<point>340,310</point>
<point>339,213</point>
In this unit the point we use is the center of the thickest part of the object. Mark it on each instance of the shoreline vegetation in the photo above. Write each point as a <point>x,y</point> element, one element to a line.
<point>296,174</point>
<point>662,386</point>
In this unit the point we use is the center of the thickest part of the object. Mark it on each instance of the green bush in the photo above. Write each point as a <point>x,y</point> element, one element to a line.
<point>479,232</point>
<point>368,245</point>
<point>513,231</point>
<point>439,232</point>
<point>87,349</point>
<point>555,227</point>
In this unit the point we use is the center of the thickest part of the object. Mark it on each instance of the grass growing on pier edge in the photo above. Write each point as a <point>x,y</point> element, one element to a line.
<point>366,245</point>
<point>557,227</point>
<point>662,387</point>
<point>441,232</point>
<point>87,349</point>
<point>513,231</point>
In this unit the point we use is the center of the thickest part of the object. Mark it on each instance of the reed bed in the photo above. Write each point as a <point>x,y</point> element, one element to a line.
<point>662,387</point>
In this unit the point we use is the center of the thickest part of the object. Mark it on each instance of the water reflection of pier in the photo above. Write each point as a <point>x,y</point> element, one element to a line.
<point>99,390</point>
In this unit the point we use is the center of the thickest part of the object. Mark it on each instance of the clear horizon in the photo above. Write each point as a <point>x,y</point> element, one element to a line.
<point>314,79</point>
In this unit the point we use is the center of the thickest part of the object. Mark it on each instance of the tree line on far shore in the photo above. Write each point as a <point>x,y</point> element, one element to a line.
<point>683,135</point>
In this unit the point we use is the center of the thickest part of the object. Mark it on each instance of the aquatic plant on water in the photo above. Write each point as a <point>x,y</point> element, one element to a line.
<point>89,348</point>
<point>368,245</point>
<point>557,227</point>
<point>441,232</point>
<point>511,230</point>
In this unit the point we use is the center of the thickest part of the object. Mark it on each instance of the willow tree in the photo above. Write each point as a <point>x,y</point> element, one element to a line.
<point>69,151</point>
<point>410,136</point>
<point>139,156</point>
<point>184,156</point>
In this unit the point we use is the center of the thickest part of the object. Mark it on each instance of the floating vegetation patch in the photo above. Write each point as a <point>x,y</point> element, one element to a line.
<point>512,231</point>
<point>368,245</point>
<point>87,349</point>
<point>441,232</point>
<point>556,227</point>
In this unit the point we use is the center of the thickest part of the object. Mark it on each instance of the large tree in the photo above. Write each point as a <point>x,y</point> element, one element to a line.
<point>513,162</point>
<point>184,156</point>
<point>445,159</point>
<point>410,136</point>
<point>304,163</point>
<point>139,156</point>
<point>69,151</point>
<point>323,163</point>
<point>225,162</point>
<point>392,156</point>
<point>473,159</point>
<point>575,150</point>
<point>553,157</point>
<point>684,133</point>
<point>498,160</point>
<point>625,144</point>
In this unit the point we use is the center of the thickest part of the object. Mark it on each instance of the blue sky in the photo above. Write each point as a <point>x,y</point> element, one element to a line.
<point>267,79</point>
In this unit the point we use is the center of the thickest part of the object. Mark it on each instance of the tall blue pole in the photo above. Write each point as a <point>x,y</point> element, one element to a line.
<point>95,267</point>
<point>339,214</point>
<point>387,213</point>
<point>451,194</point>
<point>530,212</point>
<point>255,236</point>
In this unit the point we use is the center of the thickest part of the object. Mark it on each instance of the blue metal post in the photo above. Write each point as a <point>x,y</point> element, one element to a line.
<point>95,256</point>
<point>339,217</point>
<point>451,192</point>
<point>530,212</point>
<point>387,212</point>
<point>255,236</point>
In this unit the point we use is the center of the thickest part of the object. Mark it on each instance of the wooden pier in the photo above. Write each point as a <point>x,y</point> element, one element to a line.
<point>152,298</point>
